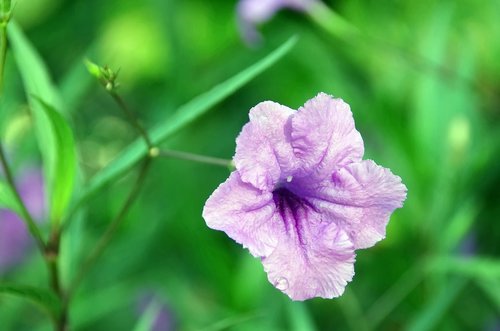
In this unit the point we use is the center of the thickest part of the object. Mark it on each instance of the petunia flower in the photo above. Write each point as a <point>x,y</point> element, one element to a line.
<point>302,199</point>
<point>14,237</point>
<point>254,12</point>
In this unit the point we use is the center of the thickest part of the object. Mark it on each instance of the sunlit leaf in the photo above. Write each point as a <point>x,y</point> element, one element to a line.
<point>54,136</point>
<point>60,159</point>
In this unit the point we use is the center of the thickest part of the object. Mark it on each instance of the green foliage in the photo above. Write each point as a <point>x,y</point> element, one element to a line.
<point>55,137</point>
<point>421,78</point>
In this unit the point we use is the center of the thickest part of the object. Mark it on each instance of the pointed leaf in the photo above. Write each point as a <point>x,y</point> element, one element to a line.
<point>53,133</point>
<point>59,158</point>
<point>184,115</point>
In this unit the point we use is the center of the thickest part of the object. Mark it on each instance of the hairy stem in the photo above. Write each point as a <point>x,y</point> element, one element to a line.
<point>111,230</point>
<point>196,158</point>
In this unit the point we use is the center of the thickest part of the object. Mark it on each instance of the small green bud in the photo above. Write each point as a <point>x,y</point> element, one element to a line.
<point>154,152</point>
<point>105,75</point>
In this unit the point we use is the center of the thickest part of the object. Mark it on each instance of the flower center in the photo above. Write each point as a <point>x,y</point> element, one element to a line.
<point>293,210</point>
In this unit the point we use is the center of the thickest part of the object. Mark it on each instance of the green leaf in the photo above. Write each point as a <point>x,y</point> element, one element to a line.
<point>42,297</point>
<point>7,199</point>
<point>34,73</point>
<point>184,115</point>
<point>59,158</point>
<point>53,133</point>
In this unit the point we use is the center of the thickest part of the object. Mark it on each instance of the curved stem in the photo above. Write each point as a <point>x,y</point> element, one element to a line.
<point>25,214</point>
<point>111,230</point>
<point>196,158</point>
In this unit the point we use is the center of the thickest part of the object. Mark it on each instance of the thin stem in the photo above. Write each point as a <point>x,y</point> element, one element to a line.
<point>111,230</point>
<point>25,214</point>
<point>3,48</point>
<point>132,118</point>
<point>196,158</point>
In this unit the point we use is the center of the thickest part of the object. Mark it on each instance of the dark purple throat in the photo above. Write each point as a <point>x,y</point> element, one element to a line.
<point>293,210</point>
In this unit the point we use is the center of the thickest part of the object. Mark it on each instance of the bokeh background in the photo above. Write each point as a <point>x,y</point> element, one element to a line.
<point>424,91</point>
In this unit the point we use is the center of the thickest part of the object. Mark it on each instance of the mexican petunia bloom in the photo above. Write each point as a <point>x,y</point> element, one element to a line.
<point>301,197</point>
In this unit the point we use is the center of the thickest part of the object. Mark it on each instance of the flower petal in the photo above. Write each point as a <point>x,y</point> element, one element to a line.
<point>324,136</point>
<point>245,214</point>
<point>320,266</point>
<point>263,151</point>
<point>361,198</point>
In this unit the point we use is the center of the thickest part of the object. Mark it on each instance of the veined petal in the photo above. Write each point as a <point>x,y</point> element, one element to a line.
<point>319,266</point>
<point>324,137</point>
<point>245,214</point>
<point>263,150</point>
<point>361,198</point>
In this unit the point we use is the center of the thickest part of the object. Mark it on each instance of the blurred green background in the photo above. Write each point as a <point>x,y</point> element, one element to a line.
<point>425,97</point>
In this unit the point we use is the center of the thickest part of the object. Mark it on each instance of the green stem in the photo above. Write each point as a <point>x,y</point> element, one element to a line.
<point>25,215</point>
<point>111,230</point>
<point>196,158</point>
<point>132,119</point>
<point>3,48</point>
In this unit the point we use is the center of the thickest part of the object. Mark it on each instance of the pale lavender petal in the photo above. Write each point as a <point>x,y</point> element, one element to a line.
<point>315,259</point>
<point>263,151</point>
<point>245,214</point>
<point>324,137</point>
<point>359,197</point>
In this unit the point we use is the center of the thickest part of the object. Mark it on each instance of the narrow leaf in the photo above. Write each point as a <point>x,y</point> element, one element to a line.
<point>184,115</point>
<point>53,134</point>
<point>60,159</point>
<point>33,71</point>
<point>42,297</point>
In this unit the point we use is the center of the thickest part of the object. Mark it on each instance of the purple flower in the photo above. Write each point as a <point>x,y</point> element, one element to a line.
<point>14,237</point>
<point>254,12</point>
<point>302,199</point>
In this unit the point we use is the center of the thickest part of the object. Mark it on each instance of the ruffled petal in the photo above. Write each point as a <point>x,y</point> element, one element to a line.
<point>359,197</point>
<point>263,150</point>
<point>245,214</point>
<point>324,137</point>
<point>319,265</point>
